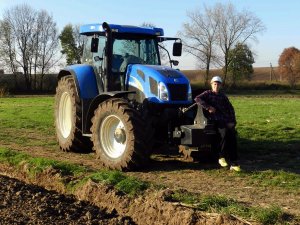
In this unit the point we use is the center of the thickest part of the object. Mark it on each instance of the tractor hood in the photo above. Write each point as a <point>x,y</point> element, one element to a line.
<point>160,84</point>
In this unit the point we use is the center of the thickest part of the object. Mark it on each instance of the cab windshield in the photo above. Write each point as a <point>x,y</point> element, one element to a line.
<point>134,51</point>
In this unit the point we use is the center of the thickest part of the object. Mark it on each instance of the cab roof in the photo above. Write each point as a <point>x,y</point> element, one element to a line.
<point>98,28</point>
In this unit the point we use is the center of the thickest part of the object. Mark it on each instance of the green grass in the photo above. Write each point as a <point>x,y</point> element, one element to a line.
<point>222,204</point>
<point>27,121</point>
<point>268,119</point>
<point>27,113</point>
<point>266,123</point>
<point>37,165</point>
<point>270,178</point>
<point>12,158</point>
<point>269,131</point>
<point>281,179</point>
<point>126,184</point>
<point>268,134</point>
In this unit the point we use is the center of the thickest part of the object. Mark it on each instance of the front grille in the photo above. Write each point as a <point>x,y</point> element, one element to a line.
<point>178,92</point>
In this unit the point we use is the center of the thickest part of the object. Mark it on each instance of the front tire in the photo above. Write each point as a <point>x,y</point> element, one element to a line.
<point>118,135</point>
<point>68,117</point>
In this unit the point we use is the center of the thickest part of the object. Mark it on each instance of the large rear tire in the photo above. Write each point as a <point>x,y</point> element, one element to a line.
<point>68,117</point>
<point>118,135</point>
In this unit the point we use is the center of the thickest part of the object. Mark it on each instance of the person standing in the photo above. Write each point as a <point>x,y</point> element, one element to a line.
<point>222,113</point>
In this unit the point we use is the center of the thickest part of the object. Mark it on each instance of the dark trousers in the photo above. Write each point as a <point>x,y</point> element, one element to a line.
<point>227,145</point>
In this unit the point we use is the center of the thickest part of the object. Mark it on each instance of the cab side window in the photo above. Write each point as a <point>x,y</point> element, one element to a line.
<point>87,54</point>
<point>88,57</point>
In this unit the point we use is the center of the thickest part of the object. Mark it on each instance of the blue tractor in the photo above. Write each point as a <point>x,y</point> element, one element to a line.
<point>121,101</point>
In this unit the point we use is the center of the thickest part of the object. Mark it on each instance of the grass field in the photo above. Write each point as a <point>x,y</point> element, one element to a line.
<point>27,121</point>
<point>268,131</point>
<point>268,127</point>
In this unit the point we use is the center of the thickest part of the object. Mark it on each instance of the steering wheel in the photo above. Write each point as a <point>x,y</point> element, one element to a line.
<point>129,59</point>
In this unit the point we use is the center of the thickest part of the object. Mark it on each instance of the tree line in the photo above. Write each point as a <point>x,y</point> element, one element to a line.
<point>218,37</point>
<point>28,44</point>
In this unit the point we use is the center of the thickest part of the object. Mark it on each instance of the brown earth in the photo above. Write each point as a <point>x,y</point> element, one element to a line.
<point>22,203</point>
<point>260,74</point>
<point>173,172</point>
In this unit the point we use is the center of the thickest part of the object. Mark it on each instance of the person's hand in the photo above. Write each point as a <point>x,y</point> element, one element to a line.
<point>230,125</point>
<point>211,109</point>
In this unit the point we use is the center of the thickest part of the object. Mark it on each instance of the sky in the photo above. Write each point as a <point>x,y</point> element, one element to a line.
<point>281,19</point>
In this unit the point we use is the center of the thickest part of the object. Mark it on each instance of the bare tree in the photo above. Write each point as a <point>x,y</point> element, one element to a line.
<point>31,41</point>
<point>234,27</point>
<point>7,50</point>
<point>199,38</point>
<point>209,36</point>
<point>48,45</point>
<point>21,20</point>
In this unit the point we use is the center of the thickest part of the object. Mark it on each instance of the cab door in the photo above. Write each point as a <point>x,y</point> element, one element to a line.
<point>96,59</point>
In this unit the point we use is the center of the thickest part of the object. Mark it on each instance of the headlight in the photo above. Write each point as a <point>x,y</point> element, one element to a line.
<point>163,93</point>
<point>190,93</point>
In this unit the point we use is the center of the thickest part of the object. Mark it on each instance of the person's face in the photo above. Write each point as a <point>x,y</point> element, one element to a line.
<point>215,86</point>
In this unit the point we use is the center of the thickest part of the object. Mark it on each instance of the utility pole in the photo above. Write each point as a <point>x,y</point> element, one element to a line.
<point>272,74</point>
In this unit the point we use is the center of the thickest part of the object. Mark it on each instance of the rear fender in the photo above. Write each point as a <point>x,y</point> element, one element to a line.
<point>85,79</point>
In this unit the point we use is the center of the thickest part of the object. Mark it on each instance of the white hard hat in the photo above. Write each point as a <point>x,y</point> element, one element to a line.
<point>216,79</point>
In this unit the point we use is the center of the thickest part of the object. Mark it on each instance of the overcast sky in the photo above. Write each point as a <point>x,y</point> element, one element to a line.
<point>281,19</point>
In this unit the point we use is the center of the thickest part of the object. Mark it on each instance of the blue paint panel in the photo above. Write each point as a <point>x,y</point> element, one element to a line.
<point>137,30</point>
<point>94,28</point>
<point>163,74</point>
<point>86,79</point>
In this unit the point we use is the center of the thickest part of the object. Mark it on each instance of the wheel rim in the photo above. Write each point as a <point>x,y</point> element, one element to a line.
<point>65,115</point>
<point>113,136</point>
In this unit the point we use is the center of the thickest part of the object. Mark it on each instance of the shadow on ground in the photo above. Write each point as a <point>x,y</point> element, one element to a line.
<point>274,155</point>
<point>254,156</point>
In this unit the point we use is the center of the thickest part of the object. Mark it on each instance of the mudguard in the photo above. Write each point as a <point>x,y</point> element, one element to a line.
<point>85,79</point>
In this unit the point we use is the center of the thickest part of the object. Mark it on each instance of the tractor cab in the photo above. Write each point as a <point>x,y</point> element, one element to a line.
<point>111,48</point>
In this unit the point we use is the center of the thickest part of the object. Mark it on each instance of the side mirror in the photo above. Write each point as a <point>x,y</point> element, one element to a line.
<point>177,48</point>
<point>97,58</point>
<point>94,44</point>
<point>175,62</point>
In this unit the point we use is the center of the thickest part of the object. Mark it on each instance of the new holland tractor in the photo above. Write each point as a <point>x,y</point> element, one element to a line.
<point>122,103</point>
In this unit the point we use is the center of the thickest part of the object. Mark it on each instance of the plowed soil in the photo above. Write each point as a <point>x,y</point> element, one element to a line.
<point>22,203</point>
